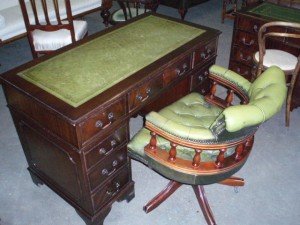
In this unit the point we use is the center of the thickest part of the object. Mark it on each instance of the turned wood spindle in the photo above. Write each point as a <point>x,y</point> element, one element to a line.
<point>172,152</point>
<point>213,90</point>
<point>197,158</point>
<point>153,141</point>
<point>239,151</point>
<point>229,97</point>
<point>221,158</point>
<point>249,142</point>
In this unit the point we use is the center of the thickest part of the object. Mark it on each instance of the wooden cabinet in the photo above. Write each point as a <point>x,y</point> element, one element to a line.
<point>245,44</point>
<point>80,152</point>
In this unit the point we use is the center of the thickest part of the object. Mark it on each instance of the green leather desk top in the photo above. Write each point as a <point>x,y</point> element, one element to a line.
<point>277,12</point>
<point>80,74</point>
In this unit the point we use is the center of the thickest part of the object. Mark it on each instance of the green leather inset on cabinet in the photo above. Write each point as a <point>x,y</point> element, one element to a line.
<point>277,12</point>
<point>80,74</point>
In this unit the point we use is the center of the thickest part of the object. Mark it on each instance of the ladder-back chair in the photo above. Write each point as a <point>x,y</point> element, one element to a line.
<point>290,64</point>
<point>132,8</point>
<point>204,140</point>
<point>50,25</point>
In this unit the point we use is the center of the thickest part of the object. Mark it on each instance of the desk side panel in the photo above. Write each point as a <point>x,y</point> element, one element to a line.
<point>41,113</point>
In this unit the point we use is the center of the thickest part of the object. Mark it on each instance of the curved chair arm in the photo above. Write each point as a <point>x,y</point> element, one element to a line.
<point>231,80</point>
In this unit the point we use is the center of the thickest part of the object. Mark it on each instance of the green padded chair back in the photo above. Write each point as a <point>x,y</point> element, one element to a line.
<point>266,97</point>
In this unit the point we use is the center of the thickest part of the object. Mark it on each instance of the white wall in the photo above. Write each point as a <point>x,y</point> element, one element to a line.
<point>8,3</point>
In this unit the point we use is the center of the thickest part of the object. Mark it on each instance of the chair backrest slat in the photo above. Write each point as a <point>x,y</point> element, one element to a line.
<point>33,6</point>
<point>132,8</point>
<point>45,10</point>
<point>57,13</point>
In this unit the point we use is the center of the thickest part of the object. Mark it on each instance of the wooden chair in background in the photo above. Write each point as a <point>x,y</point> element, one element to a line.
<point>289,63</point>
<point>132,8</point>
<point>204,140</point>
<point>50,25</point>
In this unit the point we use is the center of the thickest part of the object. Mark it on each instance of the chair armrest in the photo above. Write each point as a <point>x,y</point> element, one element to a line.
<point>230,79</point>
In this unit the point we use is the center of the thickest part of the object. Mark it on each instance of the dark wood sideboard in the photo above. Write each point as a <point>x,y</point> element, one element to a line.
<point>80,153</point>
<point>245,44</point>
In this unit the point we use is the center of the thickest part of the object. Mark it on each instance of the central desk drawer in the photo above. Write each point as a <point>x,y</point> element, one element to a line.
<point>144,92</point>
<point>177,70</point>
<point>106,147</point>
<point>205,52</point>
<point>103,119</point>
<point>107,167</point>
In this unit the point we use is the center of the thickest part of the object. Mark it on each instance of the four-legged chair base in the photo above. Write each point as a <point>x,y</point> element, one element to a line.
<point>200,195</point>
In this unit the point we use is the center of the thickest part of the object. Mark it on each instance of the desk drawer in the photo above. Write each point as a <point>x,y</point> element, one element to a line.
<point>106,147</point>
<point>200,81</point>
<point>111,188</point>
<point>144,92</point>
<point>243,56</point>
<point>103,119</point>
<point>177,70</point>
<point>245,40</point>
<point>204,53</point>
<point>107,167</point>
<point>249,25</point>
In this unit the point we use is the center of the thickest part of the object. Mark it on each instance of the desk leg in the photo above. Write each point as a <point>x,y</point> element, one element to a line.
<point>105,14</point>
<point>99,220</point>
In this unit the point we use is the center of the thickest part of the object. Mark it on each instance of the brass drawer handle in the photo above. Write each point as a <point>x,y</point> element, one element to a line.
<point>184,69</point>
<point>113,144</point>
<point>141,98</point>
<point>243,58</point>
<point>255,28</point>
<point>202,77</point>
<point>239,71</point>
<point>100,124</point>
<point>247,43</point>
<point>116,189</point>
<point>107,173</point>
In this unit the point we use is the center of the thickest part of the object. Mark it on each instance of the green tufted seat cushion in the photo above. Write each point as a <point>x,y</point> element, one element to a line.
<point>192,118</point>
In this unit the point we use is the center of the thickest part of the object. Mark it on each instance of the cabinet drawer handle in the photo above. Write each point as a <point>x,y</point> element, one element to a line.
<point>239,71</point>
<point>100,124</point>
<point>245,59</point>
<point>116,189</point>
<point>255,28</point>
<point>105,172</point>
<point>247,43</point>
<point>201,77</point>
<point>103,151</point>
<point>184,69</point>
<point>205,56</point>
<point>140,97</point>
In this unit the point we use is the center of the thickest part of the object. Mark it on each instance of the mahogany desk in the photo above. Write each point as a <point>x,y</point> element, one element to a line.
<point>72,109</point>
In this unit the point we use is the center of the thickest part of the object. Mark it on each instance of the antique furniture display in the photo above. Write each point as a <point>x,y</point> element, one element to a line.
<point>46,35</point>
<point>72,112</point>
<point>132,8</point>
<point>290,64</point>
<point>204,140</point>
<point>245,39</point>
